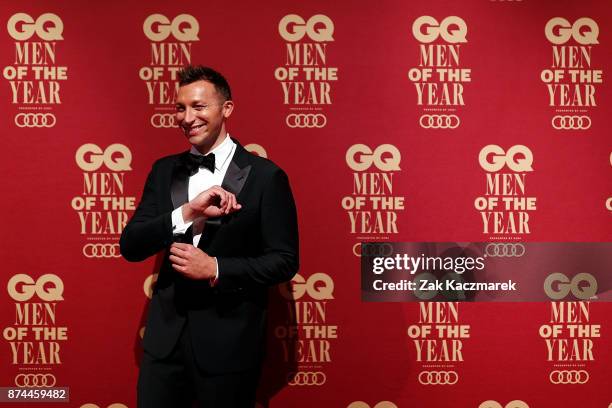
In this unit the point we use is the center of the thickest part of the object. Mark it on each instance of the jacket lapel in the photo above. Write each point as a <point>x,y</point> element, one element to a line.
<point>238,171</point>
<point>179,183</point>
<point>235,178</point>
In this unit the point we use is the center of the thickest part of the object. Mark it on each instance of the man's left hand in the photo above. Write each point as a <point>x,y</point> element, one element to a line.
<point>192,262</point>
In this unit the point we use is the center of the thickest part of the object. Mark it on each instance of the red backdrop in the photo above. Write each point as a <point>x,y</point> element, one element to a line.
<point>422,86</point>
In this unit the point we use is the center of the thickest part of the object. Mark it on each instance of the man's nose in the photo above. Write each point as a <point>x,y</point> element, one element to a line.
<point>189,115</point>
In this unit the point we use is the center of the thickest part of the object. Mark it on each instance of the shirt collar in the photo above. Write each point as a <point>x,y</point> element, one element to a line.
<point>221,152</point>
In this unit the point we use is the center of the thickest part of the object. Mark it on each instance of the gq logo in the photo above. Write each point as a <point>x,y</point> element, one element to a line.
<point>116,157</point>
<point>149,285</point>
<point>360,157</point>
<point>381,404</point>
<point>256,149</point>
<point>319,28</point>
<point>319,286</point>
<point>49,287</point>
<point>511,404</point>
<point>558,31</point>
<point>183,27</point>
<point>452,29</point>
<point>557,286</point>
<point>48,27</point>
<point>492,158</point>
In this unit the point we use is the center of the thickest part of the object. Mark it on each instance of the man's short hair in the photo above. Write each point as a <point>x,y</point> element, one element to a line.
<point>193,73</point>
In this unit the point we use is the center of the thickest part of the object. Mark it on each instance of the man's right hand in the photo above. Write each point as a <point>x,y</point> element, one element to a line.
<point>210,203</point>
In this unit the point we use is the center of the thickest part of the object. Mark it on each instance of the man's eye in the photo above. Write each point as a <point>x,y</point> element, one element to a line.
<point>200,107</point>
<point>180,109</point>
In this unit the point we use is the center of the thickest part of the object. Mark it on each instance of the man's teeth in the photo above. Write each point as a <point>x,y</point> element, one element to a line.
<point>190,129</point>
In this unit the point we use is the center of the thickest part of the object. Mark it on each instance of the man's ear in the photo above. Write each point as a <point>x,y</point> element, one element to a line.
<point>228,108</point>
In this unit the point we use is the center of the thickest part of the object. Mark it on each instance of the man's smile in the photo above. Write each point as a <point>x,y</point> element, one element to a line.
<point>193,129</point>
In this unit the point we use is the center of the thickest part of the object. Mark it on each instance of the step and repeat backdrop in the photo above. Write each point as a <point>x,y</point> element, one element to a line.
<point>422,121</point>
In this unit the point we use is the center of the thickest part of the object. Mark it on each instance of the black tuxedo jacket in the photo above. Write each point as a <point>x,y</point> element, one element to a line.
<point>256,247</point>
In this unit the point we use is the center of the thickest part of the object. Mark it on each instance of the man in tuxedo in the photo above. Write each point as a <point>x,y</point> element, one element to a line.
<point>226,222</point>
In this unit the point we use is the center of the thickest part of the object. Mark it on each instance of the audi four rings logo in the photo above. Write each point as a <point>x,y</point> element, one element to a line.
<point>35,120</point>
<point>35,380</point>
<point>306,378</point>
<point>360,249</point>
<point>101,251</point>
<point>438,377</point>
<point>439,121</point>
<point>302,120</point>
<point>569,377</point>
<point>505,250</point>
<point>567,122</point>
<point>163,120</point>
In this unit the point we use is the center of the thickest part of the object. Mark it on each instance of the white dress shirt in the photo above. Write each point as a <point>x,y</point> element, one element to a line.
<point>203,180</point>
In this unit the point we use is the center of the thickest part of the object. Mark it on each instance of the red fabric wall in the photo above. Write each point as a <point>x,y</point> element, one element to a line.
<point>105,125</point>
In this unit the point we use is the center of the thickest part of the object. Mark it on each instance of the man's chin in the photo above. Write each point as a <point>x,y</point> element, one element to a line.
<point>200,142</point>
<point>197,140</point>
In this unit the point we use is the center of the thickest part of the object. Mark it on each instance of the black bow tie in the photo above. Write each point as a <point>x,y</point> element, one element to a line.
<point>194,161</point>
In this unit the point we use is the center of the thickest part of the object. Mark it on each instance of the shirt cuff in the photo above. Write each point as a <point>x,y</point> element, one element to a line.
<point>178,224</point>
<point>213,281</point>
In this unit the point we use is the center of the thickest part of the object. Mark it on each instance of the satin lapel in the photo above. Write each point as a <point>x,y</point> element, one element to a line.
<point>179,184</point>
<point>238,171</point>
<point>235,178</point>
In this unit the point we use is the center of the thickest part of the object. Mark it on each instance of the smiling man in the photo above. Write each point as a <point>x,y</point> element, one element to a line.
<point>226,223</point>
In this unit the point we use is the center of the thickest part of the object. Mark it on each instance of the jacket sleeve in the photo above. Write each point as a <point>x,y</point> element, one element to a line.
<point>279,234</point>
<point>148,231</point>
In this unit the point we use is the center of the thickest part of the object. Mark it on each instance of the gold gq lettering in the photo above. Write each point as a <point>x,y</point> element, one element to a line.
<point>305,77</point>
<point>22,27</point>
<point>439,320</point>
<point>438,337</point>
<point>571,80</point>
<point>307,305</point>
<point>504,207</point>
<point>167,57</point>
<point>34,335</point>
<point>256,149</point>
<point>103,206</point>
<point>372,208</point>
<point>34,76</point>
<point>439,77</point>
<point>569,333</point>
